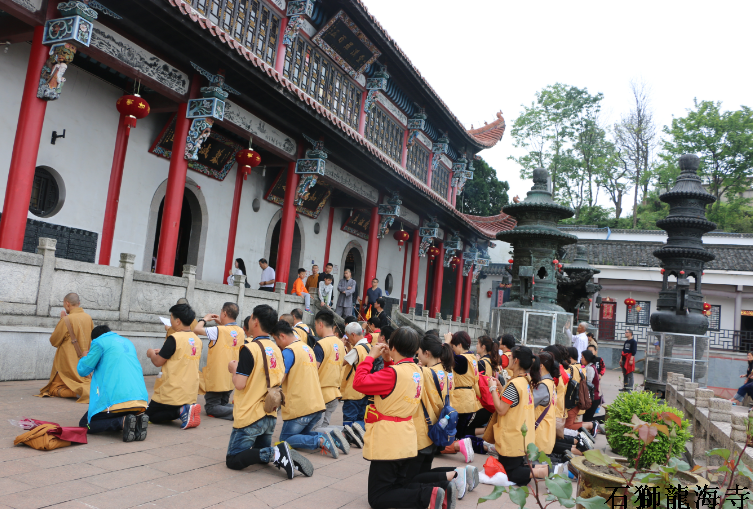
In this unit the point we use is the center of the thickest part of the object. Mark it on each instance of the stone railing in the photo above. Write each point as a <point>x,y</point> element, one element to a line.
<point>422,323</point>
<point>128,300</point>
<point>715,422</point>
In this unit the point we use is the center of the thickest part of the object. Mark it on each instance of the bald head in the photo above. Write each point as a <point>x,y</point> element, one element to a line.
<point>72,299</point>
<point>182,300</point>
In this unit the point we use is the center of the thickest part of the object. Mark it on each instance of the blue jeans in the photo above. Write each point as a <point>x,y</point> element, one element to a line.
<point>298,432</point>
<point>354,411</point>
<point>742,391</point>
<point>255,436</point>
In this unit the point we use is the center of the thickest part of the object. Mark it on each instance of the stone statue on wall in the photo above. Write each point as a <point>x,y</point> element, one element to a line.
<point>51,79</point>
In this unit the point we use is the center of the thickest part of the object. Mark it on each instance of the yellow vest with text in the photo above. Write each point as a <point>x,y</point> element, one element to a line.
<point>348,372</point>
<point>331,368</point>
<point>230,340</point>
<point>433,400</point>
<point>303,396</point>
<point>561,389</point>
<point>389,440</point>
<point>463,396</point>
<point>248,404</point>
<point>508,441</point>
<point>486,363</point>
<point>178,382</point>
<point>546,433</point>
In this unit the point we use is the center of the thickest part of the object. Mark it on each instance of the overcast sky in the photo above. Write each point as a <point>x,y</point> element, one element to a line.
<point>485,55</point>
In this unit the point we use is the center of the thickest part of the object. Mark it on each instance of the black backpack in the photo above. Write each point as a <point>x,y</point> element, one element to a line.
<point>311,338</point>
<point>571,393</point>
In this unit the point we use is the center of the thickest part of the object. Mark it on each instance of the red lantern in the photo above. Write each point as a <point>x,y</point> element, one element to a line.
<point>433,252</point>
<point>590,300</point>
<point>555,262</point>
<point>630,302</point>
<point>706,306</point>
<point>247,159</point>
<point>662,271</point>
<point>401,237</point>
<point>510,261</point>
<point>454,262</point>
<point>134,107</point>
<point>489,294</point>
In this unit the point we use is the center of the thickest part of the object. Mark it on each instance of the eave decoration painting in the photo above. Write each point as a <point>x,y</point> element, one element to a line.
<point>313,200</point>
<point>344,42</point>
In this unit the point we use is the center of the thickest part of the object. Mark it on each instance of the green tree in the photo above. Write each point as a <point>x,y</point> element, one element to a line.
<point>722,139</point>
<point>485,194</point>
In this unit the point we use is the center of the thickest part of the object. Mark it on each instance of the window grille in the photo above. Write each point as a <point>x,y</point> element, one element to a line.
<point>440,180</point>
<point>642,317</point>
<point>384,133</point>
<point>715,318</point>
<point>418,161</point>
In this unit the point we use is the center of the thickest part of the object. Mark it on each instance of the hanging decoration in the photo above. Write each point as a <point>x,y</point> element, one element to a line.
<point>455,263</point>
<point>630,302</point>
<point>51,79</point>
<point>310,169</point>
<point>428,233</point>
<point>134,107</point>
<point>433,252</point>
<point>452,246</point>
<point>297,11</point>
<point>438,148</point>
<point>415,124</point>
<point>375,84</point>
<point>401,236</point>
<point>707,309</point>
<point>458,170</point>
<point>247,160</point>
<point>388,212</point>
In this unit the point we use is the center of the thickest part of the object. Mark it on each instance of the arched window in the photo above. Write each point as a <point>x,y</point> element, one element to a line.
<point>47,192</point>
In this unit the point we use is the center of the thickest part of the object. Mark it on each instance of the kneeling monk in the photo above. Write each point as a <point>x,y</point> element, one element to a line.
<point>71,337</point>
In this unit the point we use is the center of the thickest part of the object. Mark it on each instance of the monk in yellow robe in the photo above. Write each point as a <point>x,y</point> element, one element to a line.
<point>65,381</point>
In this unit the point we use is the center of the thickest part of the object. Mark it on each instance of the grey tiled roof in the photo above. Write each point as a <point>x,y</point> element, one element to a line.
<point>636,254</point>
<point>658,233</point>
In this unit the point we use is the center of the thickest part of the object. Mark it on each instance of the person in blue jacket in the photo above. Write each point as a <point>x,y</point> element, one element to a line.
<point>118,393</point>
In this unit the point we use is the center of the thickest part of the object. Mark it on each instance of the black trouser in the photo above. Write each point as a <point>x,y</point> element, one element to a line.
<point>389,486</point>
<point>467,423</point>
<point>517,469</point>
<point>159,413</point>
<point>419,468</point>
<point>216,404</point>
<point>267,288</point>
<point>104,421</point>
<point>589,415</point>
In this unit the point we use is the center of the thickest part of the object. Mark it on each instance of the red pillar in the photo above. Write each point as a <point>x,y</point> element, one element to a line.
<point>458,290</point>
<point>176,185</point>
<point>414,266</point>
<point>233,221</point>
<point>436,298</point>
<point>427,303</point>
<point>113,191</point>
<point>404,154</point>
<point>281,47</point>
<point>287,224</point>
<point>372,251</point>
<point>467,299</point>
<point>25,149</point>
<point>329,235</point>
<point>362,117</point>
<point>402,285</point>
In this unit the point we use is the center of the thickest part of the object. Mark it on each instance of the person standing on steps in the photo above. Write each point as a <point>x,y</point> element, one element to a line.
<point>267,281</point>
<point>347,288</point>
<point>627,360</point>
<point>372,294</point>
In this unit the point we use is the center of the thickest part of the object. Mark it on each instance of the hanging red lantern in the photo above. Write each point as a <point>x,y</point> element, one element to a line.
<point>454,262</point>
<point>134,107</point>
<point>510,261</point>
<point>489,294</point>
<point>433,252</point>
<point>555,261</point>
<point>662,271</point>
<point>247,159</point>
<point>682,272</point>
<point>590,300</point>
<point>401,237</point>
<point>706,306</point>
<point>630,302</point>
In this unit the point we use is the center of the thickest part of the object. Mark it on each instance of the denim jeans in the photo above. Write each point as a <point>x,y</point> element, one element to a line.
<point>354,411</point>
<point>298,432</point>
<point>743,391</point>
<point>255,436</point>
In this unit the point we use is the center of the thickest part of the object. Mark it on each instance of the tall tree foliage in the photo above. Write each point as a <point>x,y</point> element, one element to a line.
<point>724,142</point>
<point>485,194</point>
<point>561,131</point>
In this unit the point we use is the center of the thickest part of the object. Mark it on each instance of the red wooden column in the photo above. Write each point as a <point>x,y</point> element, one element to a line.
<point>281,47</point>
<point>23,161</point>
<point>404,153</point>
<point>329,236</point>
<point>113,191</point>
<point>402,285</point>
<point>427,302</point>
<point>458,290</point>
<point>362,118</point>
<point>467,299</point>
<point>436,298</point>
<point>372,251</point>
<point>287,223</point>
<point>176,185</point>
<point>414,266</point>
<point>234,211</point>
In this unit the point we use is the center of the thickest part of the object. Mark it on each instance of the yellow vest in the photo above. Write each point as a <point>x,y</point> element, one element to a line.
<point>507,437</point>
<point>348,372</point>
<point>389,440</point>
<point>248,405</point>
<point>178,382</point>
<point>303,396</point>
<point>299,329</point>
<point>433,400</point>
<point>331,368</point>
<point>561,388</point>
<point>509,364</point>
<point>487,364</point>
<point>463,396</point>
<point>546,433</point>
<point>216,377</point>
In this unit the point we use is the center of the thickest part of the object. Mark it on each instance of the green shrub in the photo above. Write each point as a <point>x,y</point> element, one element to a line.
<point>645,405</point>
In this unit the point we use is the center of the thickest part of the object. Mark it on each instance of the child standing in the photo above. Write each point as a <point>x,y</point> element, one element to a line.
<point>177,385</point>
<point>391,441</point>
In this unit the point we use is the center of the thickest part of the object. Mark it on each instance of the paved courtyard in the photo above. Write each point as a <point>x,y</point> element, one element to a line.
<point>176,469</point>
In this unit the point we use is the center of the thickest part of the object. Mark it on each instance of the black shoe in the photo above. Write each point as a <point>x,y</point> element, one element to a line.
<point>301,463</point>
<point>359,431</point>
<point>569,455</point>
<point>352,437</point>
<point>129,428</point>
<point>142,422</point>
<point>284,460</point>
<point>584,443</point>
<point>590,435</point>
<point>451,495</point>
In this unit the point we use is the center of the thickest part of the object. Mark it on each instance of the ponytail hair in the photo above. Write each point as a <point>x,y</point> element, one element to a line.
<point>550,363</point>
<point>535,372</point>
<point>558,355</point>
<point>493,352</point>
<point>430,343</point>
<point>564,357</point>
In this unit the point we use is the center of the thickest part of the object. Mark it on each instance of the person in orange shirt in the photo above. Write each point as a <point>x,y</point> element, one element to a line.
<point>299,288</point>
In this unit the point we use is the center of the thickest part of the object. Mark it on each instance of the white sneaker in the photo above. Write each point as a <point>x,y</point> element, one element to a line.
<point>460,481</point>
<point>561,469</point>
<point>471,477</point>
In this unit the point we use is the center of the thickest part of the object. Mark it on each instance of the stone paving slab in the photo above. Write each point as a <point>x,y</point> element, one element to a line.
<point>177,469</point>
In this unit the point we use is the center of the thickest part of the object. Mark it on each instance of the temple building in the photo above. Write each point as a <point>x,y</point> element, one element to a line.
<point>194,132</point>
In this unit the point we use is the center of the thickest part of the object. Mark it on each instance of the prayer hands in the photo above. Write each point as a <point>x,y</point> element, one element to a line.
<point>63,314</point>
<point>448,337</point>
<point>377,350</point>
<point>232,367</point>
<point>212,317</point>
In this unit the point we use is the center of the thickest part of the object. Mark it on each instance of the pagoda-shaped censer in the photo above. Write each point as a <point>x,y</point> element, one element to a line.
<point>576,287</point>
<point>532,315</point>
<point>678,343</point>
